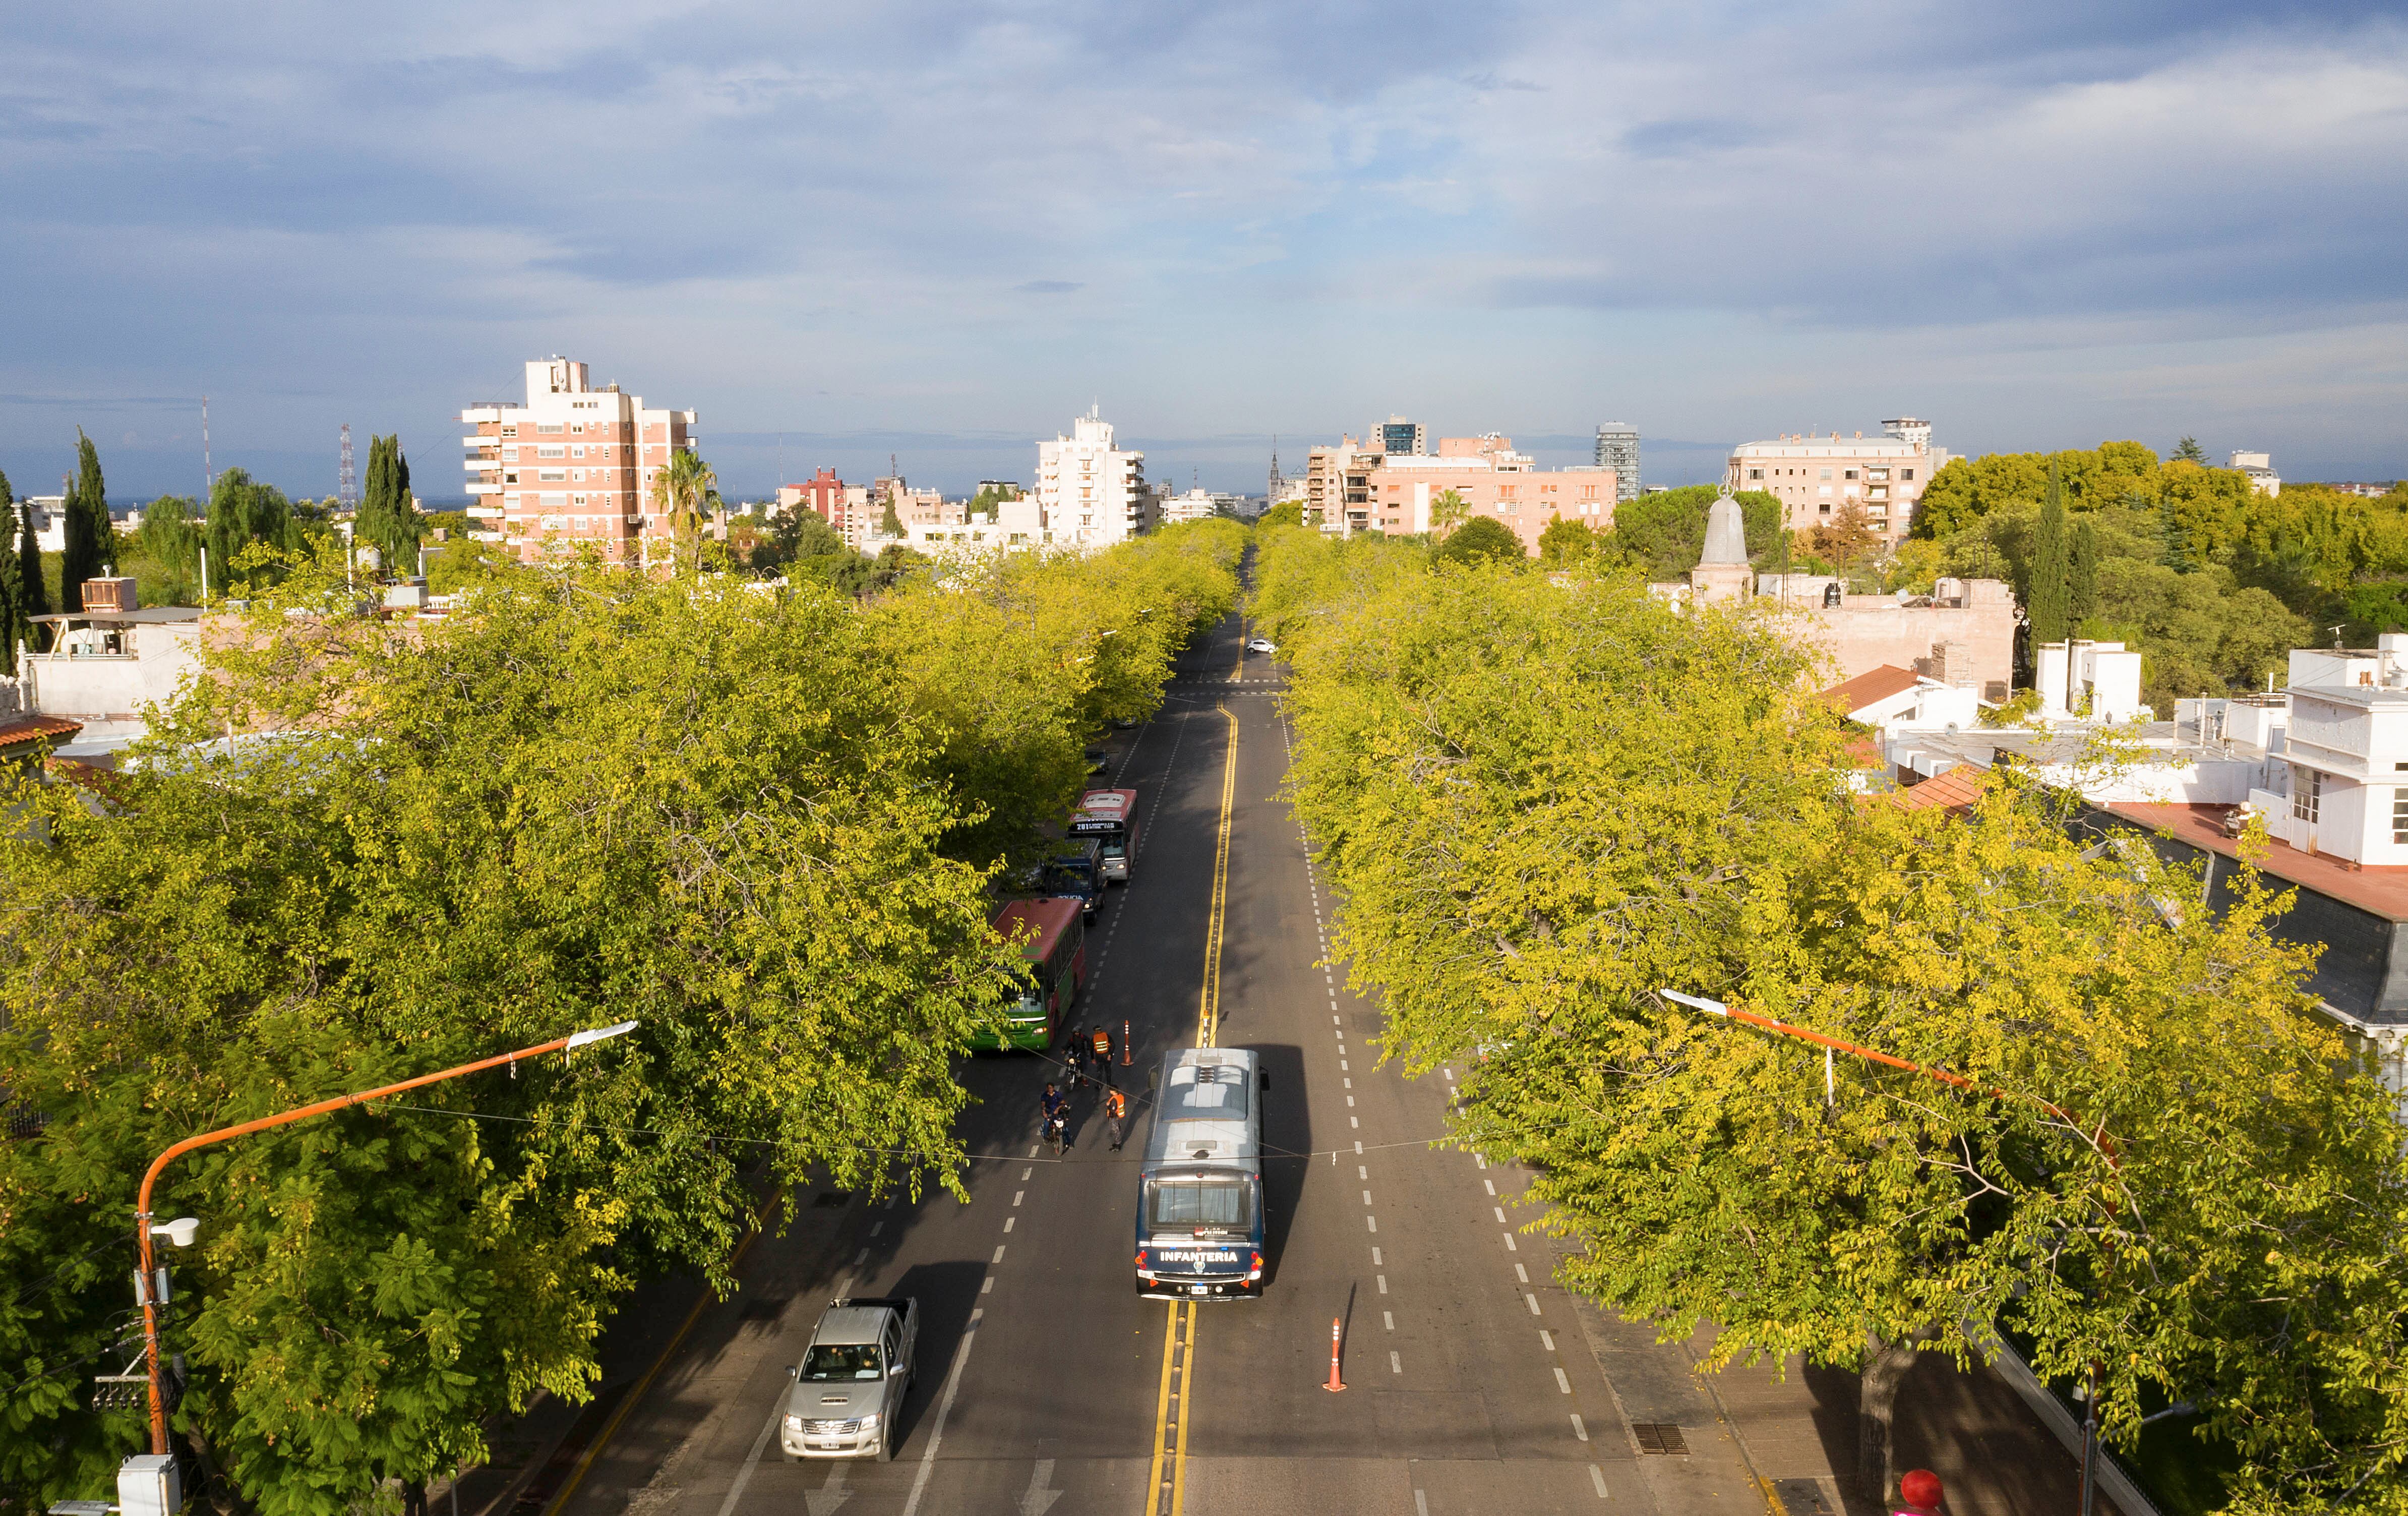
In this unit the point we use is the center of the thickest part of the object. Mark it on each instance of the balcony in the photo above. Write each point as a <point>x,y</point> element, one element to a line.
<point>485,511</point>
<point>480,487</point>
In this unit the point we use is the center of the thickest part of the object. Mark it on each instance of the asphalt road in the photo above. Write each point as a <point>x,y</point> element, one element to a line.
<point>1042,1378</point>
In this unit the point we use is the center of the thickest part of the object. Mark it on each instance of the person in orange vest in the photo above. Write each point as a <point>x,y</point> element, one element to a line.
<point>1919,1493</point>
<point>1101,1040</point>
<point>1115,1112</point>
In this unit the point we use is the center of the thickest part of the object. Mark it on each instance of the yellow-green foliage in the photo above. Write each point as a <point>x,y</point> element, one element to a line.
<point>1542,798</point>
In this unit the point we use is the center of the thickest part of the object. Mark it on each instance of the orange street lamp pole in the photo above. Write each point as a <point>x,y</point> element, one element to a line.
<point>181,1232</point>
<point>1716,1007</point>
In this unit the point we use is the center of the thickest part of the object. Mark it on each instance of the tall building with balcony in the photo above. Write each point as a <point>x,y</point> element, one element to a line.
<point>574,465</point>
<point>1090,492</point>
<point>1816,479</point>
<point>1617,448</point>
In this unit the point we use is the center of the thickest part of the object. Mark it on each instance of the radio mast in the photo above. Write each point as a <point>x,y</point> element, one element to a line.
<point>347,490</point>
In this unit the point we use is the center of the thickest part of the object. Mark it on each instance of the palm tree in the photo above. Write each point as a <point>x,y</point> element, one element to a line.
<point>1448,509</point>
<point>682,491</point>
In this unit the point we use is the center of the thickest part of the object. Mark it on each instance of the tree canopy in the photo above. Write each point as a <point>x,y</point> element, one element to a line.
<point>86,532</point>
<point>1479,539</point>
<point>388,518</point>
<point>1544,799</point>
<point>763,823</point>
<point>1664,534</point>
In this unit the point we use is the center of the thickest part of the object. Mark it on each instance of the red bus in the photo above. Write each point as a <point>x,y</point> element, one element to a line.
<point>1057,953</point>
<point>1110,817</point>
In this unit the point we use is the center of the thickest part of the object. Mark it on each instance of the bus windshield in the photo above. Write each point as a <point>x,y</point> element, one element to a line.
<point>1199,1204</point>
<point>1029,1000</point>
<point>842,1361</point>
<point>1072,870</point>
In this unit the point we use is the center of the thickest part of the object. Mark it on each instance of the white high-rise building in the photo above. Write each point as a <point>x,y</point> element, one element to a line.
<point>1617,448</point>
<point>1090,492</point>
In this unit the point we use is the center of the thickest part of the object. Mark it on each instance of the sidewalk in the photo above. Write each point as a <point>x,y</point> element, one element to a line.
<point>1785,1440</point>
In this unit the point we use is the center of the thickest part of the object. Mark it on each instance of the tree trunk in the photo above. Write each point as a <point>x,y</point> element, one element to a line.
<point>413,1497</point>
<point>1885,1368</point>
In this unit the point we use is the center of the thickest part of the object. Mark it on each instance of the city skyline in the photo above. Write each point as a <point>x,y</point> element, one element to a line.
<point>960,226</point>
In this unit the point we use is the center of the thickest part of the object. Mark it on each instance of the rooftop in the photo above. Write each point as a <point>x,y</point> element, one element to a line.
<point>1955,791</point>
<point>2381,890</point>
<point>1865,688</point>
<point>146,615</point>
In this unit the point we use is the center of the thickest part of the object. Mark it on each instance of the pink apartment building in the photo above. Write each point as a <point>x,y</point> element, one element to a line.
<point>1817,478</point>
<point>574,465</point>
<point>1392,493</point>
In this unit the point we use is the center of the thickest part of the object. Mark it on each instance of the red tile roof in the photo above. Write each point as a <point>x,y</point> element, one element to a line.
<point>16,730</point>
<point>1867,689</point>
<point>1957,789</point>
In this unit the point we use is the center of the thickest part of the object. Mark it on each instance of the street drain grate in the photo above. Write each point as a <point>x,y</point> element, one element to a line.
<point>828,1200</point>
<point>1659,1436</point>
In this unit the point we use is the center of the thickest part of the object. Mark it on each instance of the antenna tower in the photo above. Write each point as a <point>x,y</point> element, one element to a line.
<point>209,476</point>
<point>348,491</point>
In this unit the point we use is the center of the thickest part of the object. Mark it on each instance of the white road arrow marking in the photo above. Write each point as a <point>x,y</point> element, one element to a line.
<point>1039,1499</point>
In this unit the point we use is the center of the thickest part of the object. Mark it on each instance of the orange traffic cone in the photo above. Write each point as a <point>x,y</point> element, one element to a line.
<point>1335,1383</point>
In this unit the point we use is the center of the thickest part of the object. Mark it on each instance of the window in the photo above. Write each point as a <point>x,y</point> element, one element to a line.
<point>551,476</point>
<point>1906,473</point>
<point>1826,473</point>
<point>555,450</point>
<point>509,454</point>
<point>548,429</point>
<point>1876,473</point>
<point>1850,473</point>
<point>2307,792</point>
<point>1827,508</point>
<point>576,452</point>
<point>2399,815</point>
<point>1755,473</point>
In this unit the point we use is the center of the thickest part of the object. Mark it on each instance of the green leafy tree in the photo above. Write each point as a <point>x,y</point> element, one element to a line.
<point>388,518</point>
<point>1665,533</point>
<point>2081,574</point>
<point>1481,540</point>
<point>1285,513</point>
<point>1448,509</point>
<point>1567,541</point>
<point>13,626</point>
<point>1545,801</point>
<point>2045,595</point>
<point>87,530</point>
<point>2188,451</point>
<point>250,527</point>
<point>29,569</point>
<point>714,814</point>
<point>686,491</point>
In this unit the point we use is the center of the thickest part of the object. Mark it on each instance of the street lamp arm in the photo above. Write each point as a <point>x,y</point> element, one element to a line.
<point>142,1204</point>
<point>1716,1007</point>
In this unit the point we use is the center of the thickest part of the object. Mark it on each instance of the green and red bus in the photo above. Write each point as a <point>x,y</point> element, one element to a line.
<point>1054,944</point>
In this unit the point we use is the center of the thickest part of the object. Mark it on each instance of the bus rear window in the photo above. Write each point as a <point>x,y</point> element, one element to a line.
<point>1176,1205</point>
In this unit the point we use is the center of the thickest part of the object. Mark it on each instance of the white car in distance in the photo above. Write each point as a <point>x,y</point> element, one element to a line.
<point>1261,645</point>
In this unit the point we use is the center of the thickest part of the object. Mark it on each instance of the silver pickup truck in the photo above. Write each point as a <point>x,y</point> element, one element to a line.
<point>849,1388</point>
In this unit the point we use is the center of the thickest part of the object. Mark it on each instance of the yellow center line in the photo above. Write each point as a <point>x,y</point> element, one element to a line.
<point>1167,1484</point>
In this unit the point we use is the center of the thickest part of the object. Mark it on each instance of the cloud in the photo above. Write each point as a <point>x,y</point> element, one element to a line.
<point>840,220</point>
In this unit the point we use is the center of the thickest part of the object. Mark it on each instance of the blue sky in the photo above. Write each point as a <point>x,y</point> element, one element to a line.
<point>941,231</point>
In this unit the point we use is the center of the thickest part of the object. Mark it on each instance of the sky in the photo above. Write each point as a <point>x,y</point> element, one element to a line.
<point>841,233</point>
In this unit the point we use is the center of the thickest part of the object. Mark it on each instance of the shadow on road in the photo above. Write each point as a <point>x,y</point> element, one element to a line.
<point>947,1292</point>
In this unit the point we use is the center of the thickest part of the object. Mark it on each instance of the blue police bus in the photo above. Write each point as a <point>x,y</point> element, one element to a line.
<point>1199,1213</point>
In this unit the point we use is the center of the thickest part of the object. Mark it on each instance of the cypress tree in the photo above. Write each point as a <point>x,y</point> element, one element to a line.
<point>37,600</point>
<point>2081,574</point>
<point>386,518</point>
<point>12,589</point>
<point>366,525</point>
<point>87,529</point>
<point>2045,595</point>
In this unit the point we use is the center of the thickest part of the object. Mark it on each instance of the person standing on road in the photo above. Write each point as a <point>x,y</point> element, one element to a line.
<point>1115,1112</point>
<point>1102,1041</point>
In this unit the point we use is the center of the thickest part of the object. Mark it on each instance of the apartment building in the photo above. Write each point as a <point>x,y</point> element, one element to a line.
<point>574,465</point>
<point>1617,448</point>
<point>2259,467</point>
<point>1398,435</point>
<point>1817,478</point>
<point>1090,492</point>
<point>1394,494</point>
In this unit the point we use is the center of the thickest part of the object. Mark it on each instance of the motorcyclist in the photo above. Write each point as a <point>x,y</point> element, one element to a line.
<point>1057,1115</point>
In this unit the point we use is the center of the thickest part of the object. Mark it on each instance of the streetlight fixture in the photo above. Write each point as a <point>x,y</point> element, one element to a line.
<point>182,1231</point>
<point>2098,1139</point>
